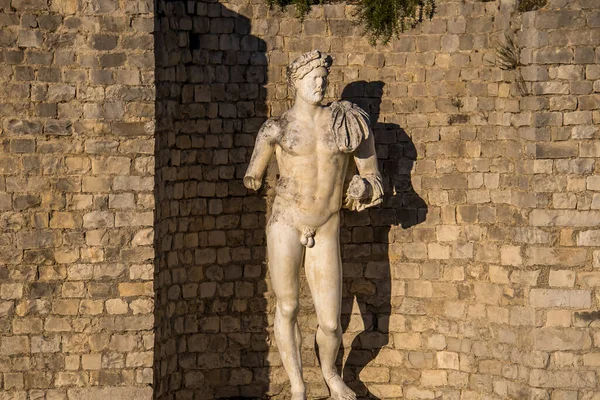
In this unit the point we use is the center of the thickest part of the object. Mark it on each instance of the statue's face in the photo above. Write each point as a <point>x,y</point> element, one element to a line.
<point>312,87</point>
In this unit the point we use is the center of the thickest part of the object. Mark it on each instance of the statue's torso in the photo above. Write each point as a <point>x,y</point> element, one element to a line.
<point>311,168</point>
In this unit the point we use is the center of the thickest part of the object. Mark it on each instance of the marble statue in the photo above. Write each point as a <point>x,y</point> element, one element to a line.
<point>313,145</point>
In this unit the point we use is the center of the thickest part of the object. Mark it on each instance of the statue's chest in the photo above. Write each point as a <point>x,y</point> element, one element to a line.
<point>308,140</point>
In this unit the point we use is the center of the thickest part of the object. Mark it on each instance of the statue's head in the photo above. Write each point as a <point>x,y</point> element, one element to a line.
<point>307,75</point>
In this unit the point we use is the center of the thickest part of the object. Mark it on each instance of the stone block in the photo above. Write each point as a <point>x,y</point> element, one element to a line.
<point>584,132</point>
<point>447,360</point>
<point>553,55</point>
<point>588,279</point>
<point>103,41</point>
<point>134,219</point>
<point>30,5</point>
<point>552,298</point>
<point>136,289</point>
<point>437,251</point>
<point>91,361</point>
<point>558,318</point>
<point>56,324</point>
<point>91,307</point>
<point>65,220</point>
<point>591,360</point>
<point>588,238</point>
<point>36,239</point>
<point>407,341</point>
<point>375,374</point>
<point>555,256</point>
<point>139,359</point>
<point>58,127</point>
<point>133,183</point>
<point>98,219</point>
<point>12,345</point>
<point>590,150</point>
<point>60,93</point>
<point>562,379</point>
<point>556,150</point>
<point>522,316</point>
<point>111,165</point>
<point>567,72</point>
<point>14,380</point>
<point>434,378</point>
<point>577,118</point>
<point>561,278</point>
<point>511,255</point>
<point>584,55</point>
<point>117,393</point>
<point>141,306</point>
<point>41,344</point>
<point>571,218</point>
<point>95,184</point>
<point>559,19</point>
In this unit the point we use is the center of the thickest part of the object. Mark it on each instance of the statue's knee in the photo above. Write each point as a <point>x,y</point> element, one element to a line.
<point>331,328</point>
<point>288,309</point>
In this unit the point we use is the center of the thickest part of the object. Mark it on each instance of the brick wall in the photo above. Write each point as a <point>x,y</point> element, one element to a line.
<point>477,276</point>
<point>76,181</point>
<point>211,316</point>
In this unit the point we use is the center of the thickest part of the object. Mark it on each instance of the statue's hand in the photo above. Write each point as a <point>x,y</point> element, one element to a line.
<point>252,183</point>
<point>358,190</point>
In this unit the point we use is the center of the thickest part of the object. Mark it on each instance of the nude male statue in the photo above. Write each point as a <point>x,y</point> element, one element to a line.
<point>313,145</point>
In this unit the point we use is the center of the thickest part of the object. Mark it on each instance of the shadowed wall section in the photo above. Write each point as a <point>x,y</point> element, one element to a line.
<point>476,278</point>
<point>211,316</point>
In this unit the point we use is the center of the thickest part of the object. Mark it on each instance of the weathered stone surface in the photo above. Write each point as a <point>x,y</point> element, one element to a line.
<point>110,393</point>
<point>562,379</point>
<point>556,150</point>
<point>548,298</point>
<point>564,218</point>
<point>564,278</point>
<point>551,339</point>
<point>511,200</point>
<point>555,256</point>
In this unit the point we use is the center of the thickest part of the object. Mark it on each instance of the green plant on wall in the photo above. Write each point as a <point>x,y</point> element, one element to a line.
<point>531,5</point>
<point>302,6</point>
<point>381,19</point>
<point>507,58</point>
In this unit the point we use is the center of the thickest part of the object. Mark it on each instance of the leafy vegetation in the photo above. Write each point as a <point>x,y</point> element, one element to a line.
<point>302,6</point>
<point>507,58</point>
<point>381,19</point>
<point>530,5</point>
<point>507,55</point>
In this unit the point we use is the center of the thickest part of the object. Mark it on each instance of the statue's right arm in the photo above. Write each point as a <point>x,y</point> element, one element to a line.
<point>263,149</point>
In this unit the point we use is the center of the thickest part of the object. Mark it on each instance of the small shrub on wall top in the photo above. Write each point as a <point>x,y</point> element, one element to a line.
<point>381,19</point>
<point>531,5</point>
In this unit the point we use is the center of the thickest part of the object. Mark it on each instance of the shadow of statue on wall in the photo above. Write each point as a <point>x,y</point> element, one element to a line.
<point>211,338</point>
<point>366,238</point>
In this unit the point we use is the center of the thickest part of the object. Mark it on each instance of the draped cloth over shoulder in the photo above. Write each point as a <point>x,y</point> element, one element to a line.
<point>350,125</point>
<point>351,128</point>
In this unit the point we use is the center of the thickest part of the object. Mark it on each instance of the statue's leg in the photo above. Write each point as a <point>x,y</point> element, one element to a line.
<point>285,258</point>
<point>323,266</point>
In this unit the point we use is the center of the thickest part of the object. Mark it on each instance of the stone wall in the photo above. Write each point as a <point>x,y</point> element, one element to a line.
<point>76,201</point>
<point>478,276</point>
<point>476,279</point>
<point>211,315</point>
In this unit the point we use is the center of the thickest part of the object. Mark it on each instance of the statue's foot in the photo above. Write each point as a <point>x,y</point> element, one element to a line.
<point>339,390</point>
<point>298,396</point>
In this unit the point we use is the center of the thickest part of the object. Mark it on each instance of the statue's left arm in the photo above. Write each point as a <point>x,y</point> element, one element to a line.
<point>353,135</point>
<point>366,189</point>
<point>263,149</point>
